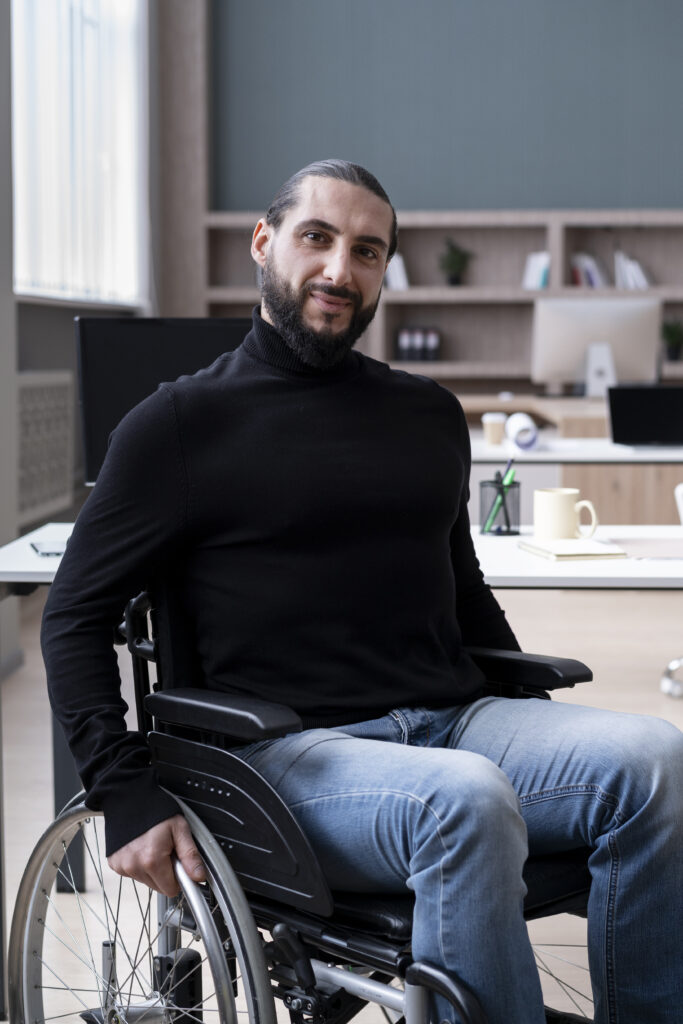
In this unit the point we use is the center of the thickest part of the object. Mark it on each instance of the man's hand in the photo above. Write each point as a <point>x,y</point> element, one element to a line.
<point>147,858</point>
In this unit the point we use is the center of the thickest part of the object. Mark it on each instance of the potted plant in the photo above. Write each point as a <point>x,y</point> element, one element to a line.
<point>453,261</point>
<point>672,333</point>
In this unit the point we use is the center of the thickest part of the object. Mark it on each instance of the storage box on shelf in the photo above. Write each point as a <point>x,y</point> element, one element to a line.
<point>484,324</point>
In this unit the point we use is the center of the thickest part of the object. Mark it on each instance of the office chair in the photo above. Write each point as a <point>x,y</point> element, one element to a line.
<point>668,683</point>
<point>265,925</point>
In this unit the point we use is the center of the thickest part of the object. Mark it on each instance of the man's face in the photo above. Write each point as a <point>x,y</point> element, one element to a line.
<point>323,267</point>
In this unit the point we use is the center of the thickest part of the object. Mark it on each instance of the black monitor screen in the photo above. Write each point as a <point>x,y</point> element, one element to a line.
<point>647,415</point>
<point>122,360</point>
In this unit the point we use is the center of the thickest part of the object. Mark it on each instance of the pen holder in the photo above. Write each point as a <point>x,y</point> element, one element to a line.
<point>499,507</point>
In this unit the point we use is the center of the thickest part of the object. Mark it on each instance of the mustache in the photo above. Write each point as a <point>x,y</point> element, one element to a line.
<point>336,292</point>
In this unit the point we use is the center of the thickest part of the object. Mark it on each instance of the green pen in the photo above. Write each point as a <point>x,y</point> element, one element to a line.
<point>508,477</point>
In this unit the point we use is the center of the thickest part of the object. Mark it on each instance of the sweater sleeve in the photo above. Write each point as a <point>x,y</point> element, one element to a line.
<point>131,525</point>
<point>481,619</point>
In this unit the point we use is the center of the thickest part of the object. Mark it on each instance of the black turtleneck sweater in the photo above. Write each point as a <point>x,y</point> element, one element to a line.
<point>320,520</point>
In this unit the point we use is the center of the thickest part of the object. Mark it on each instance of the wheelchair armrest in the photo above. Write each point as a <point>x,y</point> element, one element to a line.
<point>529,671</point>
<point>242,718</point>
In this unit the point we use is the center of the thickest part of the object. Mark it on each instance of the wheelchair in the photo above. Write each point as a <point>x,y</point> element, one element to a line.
<point>264,929</point>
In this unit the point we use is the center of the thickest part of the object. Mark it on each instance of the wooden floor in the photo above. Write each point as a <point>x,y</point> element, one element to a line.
<point>625,636</point>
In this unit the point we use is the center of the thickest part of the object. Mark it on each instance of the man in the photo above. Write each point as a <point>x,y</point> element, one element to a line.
<point>318,503</point>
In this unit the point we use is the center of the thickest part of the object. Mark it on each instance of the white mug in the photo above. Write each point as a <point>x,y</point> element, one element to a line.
<point>557,514</point>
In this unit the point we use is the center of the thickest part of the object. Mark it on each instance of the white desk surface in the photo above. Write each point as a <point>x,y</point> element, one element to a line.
<point>506,565</point>
<point>503,562</point>
<point>19,563</point>
<point>553,449</point>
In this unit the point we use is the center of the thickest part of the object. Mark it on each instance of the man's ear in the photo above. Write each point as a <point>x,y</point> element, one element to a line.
<point>260,241</point>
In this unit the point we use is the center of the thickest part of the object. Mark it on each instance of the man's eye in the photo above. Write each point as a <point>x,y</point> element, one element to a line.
<point>314,236</point>
<point>367,254</point>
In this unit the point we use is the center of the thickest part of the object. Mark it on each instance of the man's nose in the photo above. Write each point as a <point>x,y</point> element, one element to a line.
<point>338,266</point>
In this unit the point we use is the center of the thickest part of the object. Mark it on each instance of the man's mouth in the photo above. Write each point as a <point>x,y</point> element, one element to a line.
<point>331,303</point>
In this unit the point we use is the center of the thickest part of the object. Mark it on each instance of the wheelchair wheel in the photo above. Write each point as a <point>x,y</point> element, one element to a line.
<point>563,968</point>
<point>92,946</point>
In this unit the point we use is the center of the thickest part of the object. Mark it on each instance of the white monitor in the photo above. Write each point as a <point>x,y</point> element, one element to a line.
<point>595,342</point>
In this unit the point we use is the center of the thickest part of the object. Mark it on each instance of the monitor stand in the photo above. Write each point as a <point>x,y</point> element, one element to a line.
<point>599,370</point>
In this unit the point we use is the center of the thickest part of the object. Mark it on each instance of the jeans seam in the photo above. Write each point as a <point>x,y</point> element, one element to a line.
<point>610,969</point>
<point>302,753</point>
<point>425,806</point>
<point>399,717</point>
<point>557,792</point>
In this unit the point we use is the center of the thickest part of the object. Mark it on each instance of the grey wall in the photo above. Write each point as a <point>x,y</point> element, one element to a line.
<point>453,103</point>
<point>10,654</point>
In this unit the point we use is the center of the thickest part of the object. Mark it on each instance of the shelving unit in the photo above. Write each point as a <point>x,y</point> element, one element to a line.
<point>484,324</point>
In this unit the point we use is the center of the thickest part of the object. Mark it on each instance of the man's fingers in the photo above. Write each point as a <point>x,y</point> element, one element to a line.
<point>186,851</point>
<point>147,859</point>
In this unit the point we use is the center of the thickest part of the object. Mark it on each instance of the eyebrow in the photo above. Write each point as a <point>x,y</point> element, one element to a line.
<point>324,225</point>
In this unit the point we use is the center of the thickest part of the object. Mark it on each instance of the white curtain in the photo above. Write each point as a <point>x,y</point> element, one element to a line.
<point>80,150</point>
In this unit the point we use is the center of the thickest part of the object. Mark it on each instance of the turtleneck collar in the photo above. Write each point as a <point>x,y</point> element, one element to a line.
<point>265,344</point>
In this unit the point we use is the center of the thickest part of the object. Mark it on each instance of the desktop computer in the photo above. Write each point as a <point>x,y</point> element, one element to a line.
<point>593,343</point>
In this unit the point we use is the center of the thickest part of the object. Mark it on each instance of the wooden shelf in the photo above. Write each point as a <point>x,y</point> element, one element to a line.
<point>455,295</point>
<point>458,370</point>
<point>485,324</point>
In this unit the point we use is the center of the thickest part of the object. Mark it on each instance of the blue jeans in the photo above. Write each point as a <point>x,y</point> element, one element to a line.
<point>449,803</point>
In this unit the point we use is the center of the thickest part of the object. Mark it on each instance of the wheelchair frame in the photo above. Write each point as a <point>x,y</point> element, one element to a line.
<point>327,955</point>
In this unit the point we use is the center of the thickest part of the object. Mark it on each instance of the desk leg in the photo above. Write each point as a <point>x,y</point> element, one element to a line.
<point>66,784</point>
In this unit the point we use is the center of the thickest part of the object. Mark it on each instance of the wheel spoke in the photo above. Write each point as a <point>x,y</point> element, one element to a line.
<point>570,991</point>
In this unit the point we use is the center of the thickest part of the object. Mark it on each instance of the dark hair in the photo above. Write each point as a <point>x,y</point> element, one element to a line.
<point>288,195</point>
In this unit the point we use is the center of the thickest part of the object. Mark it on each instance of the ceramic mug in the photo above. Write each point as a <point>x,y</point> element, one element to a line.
<point>557,514</point>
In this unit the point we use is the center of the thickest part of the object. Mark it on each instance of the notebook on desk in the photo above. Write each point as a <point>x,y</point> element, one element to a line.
<point>647,414</point>
<point>568,549</point>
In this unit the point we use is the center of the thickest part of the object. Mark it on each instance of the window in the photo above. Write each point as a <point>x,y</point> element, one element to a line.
<point>80,150</point>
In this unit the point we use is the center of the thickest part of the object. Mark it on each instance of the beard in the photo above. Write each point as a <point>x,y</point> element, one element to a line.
<point>322,348</point>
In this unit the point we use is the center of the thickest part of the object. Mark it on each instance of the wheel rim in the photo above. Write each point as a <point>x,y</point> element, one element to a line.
<point>101,956</point>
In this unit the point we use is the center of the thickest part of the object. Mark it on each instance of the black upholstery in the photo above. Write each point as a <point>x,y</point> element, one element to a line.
<point>529,671</point>
<point>243,718</point>
<point>561,881</point>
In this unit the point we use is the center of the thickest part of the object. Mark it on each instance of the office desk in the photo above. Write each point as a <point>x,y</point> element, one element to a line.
<point>21,569</point>
<point>504,564</point>
<point>627,485</point>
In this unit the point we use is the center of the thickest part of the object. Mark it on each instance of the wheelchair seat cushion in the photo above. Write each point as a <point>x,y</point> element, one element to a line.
<point>556,883</point>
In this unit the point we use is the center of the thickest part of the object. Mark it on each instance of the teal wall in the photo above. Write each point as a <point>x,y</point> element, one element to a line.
<point>452,103</point>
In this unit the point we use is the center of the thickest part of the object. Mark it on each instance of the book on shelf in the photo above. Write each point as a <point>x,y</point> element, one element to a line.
<point>536,271</point>
<point>571,548</point>
<point>396,276</point>
<point>587,271</point>
<point>628,273</point>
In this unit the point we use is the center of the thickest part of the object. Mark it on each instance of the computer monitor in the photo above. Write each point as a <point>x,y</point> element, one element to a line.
<point>122,360</point>
<point>575,340</point>
<point>647,414</point>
